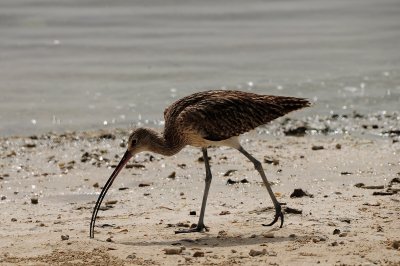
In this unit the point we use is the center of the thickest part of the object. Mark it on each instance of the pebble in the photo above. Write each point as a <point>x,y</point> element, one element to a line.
<point>299,131</point>
<point>382,193</point>
<point>229,172</point>
<point>396,244</point>
<point>172,251</point>
<point>192,213</point>
<point>231,182</point>
<point>293,210</point>
<point>198,254</point>
<point>3,197</point>
<point>336,231</point>
<point>64,237</point>
<point>269,235</point>
<point>34,200</point>
<point>111,202</point>
<point>109,239</point>
<point>144,185</point>
<point>343,234</point>
<point>334,244</point>
<point>298,193</point>
<point>131,257</point>
<point>372,204</point>
<point>317,147</point>
<point>172,175</point>
<point>254,253</point>
<point>96,185</point>
<point>13,219</point>
<point>271,161</point>
<point>394,180</point>
<point>224,213</point>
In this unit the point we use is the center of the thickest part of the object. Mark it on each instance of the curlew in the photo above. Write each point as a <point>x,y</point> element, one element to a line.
<point>204,119</point>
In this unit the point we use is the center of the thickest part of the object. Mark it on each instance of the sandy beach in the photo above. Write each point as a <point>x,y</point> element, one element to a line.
<point>348,214</point>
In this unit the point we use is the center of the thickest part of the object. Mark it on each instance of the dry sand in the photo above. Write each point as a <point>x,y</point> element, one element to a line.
<point>340,224</point>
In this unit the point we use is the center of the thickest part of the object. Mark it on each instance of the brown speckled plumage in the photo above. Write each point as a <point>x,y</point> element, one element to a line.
<point>222,114</point>
<point>203,119</point>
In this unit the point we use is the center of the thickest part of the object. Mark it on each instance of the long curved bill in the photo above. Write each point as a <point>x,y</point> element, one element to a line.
<point>103,193</point>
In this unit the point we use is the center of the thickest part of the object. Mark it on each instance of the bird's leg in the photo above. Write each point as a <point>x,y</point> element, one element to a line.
<point>259,168</point>
<point>200,225</point>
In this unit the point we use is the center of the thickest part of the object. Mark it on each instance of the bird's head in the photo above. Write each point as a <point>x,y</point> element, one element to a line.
<point>139,140</point>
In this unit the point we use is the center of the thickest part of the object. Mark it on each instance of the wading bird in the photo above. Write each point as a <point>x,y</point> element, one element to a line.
<point>204,119</point>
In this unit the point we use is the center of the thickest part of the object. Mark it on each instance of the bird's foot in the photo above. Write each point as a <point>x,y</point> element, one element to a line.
<point>278,214</point>
<point>194,229</point>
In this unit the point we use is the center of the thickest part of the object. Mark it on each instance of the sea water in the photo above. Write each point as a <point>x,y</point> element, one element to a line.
<point>83,64</point>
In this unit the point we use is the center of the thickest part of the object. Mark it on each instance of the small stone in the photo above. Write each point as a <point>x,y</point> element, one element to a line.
<point>109,239</point>
<point>192,213</point>
<point>172,175</point>
<point>338,146</point>
<point>269,235</point>
<point>293,210</point>
<point>131,257</point>
<point>34,200</point>
<point>315,240</point>
<point>96,185</point>
<point>396,244</point>
<point>336,231</point>
<point>343,234</point>
<point>374,204</point>
<point>394,180</point>
<point>3,197</point>
<point>224,213</point>
<point>254,253</point>
<point>172,251</point>
<point>13,219</point>
<point>233,251</point>
<point>229,172</point>
<point>334,244</point>
<point>317,147</point>
<point>346,173</point>
<point>198,254</point>
<point>271,161</point>
<point>30,145</point>
<point>144,185</point>
<point>359,185</point>
<point>298,193</point>
<point>64,237</point>
<point>111,202</point>
<point>383,193</point>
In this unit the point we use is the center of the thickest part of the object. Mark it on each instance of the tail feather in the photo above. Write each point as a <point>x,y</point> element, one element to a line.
<point>290,104</point>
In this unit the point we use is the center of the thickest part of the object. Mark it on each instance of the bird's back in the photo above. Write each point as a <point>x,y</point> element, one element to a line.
<point>221,114</point>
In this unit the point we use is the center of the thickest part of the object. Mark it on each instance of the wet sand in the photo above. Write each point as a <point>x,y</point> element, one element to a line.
<point>350,215</point>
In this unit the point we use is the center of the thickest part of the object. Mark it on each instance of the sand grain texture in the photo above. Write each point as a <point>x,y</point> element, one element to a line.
<point>138,224</point>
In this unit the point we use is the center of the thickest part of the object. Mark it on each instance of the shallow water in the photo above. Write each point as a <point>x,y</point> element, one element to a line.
<point>75,65</point>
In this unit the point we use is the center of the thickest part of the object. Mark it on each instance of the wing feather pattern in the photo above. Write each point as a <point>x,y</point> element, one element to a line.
<point>219,115</point>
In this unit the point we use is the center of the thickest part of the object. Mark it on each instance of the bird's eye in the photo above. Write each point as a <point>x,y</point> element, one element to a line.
<point>134,142</point>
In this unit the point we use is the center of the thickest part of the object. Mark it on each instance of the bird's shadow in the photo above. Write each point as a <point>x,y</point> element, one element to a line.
<point>212,241</point>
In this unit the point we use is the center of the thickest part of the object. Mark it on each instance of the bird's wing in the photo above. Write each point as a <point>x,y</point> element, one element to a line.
<point>218,117</point>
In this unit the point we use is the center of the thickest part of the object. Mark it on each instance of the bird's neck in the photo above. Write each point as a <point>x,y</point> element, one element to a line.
<point>161,145</point>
